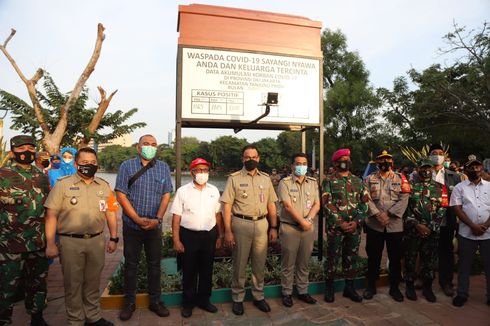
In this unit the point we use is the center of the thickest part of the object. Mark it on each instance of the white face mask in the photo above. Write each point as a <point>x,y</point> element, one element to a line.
<point>67,160</point>
<point>201,178</point>
<point>437,159</point>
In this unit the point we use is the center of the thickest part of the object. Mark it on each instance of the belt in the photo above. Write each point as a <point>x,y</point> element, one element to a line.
<point>250,218</point>
<point>80,236</point>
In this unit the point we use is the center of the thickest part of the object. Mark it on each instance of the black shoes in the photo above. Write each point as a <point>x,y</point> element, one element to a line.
<point>262,305</point>
<point>127,311</point>
<point>306,298</point>
<point>38,320</point>
<point>460,301</point>
<point>208,306</point>
<point>369,293</point>
<point>410,291</point>
<point>396,294</point>
<point>287,301</point>
<point>159,309</point>
<point>237,308</point>
<point>186,312</point>
<point>350,292</point>
<point>100,322</point>
<point>427,291</point>
<point>329,291</point>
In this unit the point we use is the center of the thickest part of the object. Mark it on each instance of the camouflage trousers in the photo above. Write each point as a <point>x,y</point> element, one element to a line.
<point>28,270</point>
<point>415,245</point>
<point>345,245</point>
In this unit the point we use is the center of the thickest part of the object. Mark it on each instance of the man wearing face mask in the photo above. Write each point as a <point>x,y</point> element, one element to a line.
<point>23,189</point>
<point>471,202</point>
<point>78,207</point>
<point>389,199</point>
<point>248,199</point>
<point>42,161</point>
<point>143,187</point>
<point>298,194</point>
<point>448,227</point>
<point>345,202</point>
<point>197,229</point>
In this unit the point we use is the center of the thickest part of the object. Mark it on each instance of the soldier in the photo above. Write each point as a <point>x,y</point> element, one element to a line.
<point>79,205</point>
<point>299,197</point>
<point>247,200</point>
<point>427,207</point>
<point>344,198</point>
<point>389,199</point>
<point>23,189</point>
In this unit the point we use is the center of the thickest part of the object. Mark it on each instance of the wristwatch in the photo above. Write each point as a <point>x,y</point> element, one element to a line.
<point>115,240</point>
<point>309,220</point>
<point>274,227</point>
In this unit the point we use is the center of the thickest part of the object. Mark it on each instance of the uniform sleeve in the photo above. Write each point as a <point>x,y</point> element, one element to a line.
<point>457,196</point>
<point>372,209</point>
<point>55,197</point>
<point>112,204</point>
<point>316,192</point>
<point>399,208</point>
<point>330,211</point>
<point>272,194</point>
<point>362,204</point>
<point>122,179</point>
<point>228,195</point>
<point>283,191</point>
<point>177,203</point>
<point>410,218</point>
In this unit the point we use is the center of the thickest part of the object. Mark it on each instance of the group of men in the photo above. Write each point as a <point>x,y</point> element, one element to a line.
<point>414,218</point>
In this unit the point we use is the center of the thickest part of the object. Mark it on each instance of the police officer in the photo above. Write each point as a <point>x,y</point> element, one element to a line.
<point>23,189</point>
<point>298,194</point>
<point>344,199</point>
<point>248,199</point>
<point>387,205</point>
<point>427,207</point>
<point>79,205</point>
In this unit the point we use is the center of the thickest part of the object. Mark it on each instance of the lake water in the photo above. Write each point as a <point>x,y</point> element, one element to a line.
<point>216,180</point>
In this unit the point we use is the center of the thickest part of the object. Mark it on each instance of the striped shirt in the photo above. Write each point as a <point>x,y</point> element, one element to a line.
<point>145,195</point>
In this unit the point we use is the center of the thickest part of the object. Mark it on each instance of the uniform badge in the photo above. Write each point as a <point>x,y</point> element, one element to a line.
<point>100,193</point>
<point>73,201</point>
<point>244,194</point>
<point>294,199</point>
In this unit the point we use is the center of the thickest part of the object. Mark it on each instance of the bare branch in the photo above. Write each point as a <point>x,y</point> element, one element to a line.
<point>38,75</point>
<point>12,33</point>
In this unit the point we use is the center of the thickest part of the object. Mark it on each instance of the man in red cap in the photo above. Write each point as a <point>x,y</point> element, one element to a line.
<point>197,229</point>
<point>344,199</point>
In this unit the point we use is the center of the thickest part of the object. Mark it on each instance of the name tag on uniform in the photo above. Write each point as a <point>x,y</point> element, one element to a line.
<point>102,205</point>
<point>294,190</point>
<point>243,184</point>
<point>74,188</point>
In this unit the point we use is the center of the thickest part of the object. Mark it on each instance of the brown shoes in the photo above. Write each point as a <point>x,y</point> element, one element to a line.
<point>127,311</point>
<point>159,309</point>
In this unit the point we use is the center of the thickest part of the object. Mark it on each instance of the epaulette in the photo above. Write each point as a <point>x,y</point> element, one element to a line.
<point>286,178</point>
<point>99,178</point>
<point>263,173</point>
<point>235,173</point>
<point>63,177</point>
<point>311,178</point>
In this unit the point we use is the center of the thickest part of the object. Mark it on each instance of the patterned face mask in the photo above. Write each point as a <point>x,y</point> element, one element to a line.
<point>148,152</point>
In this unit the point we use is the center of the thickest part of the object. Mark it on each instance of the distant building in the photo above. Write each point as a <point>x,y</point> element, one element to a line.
<point>124,140</point>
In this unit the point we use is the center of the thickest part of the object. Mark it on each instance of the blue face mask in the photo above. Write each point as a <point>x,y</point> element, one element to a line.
<point>148,152</point>
<point>300,170</point>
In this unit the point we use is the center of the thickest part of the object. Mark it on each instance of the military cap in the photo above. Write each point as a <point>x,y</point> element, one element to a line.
<point>384,153</point>
<point>424,162</point>
<point>20,140</point>
<point>472,160</point>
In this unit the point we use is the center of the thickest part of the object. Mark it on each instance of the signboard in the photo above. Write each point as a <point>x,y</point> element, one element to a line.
<point>231,87</point>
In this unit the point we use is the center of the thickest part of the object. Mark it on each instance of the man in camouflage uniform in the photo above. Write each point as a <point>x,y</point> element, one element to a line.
<point>344,199</point>
<point>23,188</point>
<point>427,208</point>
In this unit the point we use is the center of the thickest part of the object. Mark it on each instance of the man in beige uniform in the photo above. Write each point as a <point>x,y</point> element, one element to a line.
<point>79,205</point>
<point>301,203</point>
<point>248,199</point>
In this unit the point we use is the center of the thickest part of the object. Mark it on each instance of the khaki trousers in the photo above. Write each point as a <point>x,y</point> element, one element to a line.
<point>296,249</point>
<point>250,240</point>
<point>82,261</point>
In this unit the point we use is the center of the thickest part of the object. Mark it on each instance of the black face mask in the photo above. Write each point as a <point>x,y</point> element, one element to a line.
<point>88,170</point>
<point>26,157</point>
<point>45,163</point>
<point>384,166</point>
<point>344,165</point>
<point>250,165</point>
<point>473,175</point>
<point>425,174</point>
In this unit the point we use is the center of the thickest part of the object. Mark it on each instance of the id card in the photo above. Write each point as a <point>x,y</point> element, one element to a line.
<point>308,204</point>
<point>102,205</point>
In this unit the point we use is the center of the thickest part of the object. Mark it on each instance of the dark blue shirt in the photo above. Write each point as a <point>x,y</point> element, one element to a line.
<point>146,192</point>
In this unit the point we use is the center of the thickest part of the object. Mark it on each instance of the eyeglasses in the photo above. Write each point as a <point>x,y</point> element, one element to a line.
<point>200,170</point>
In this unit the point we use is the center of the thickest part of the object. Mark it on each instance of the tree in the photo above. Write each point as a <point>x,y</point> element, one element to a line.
<point>111,157</point>
<point>78,122</point>
<point>270,155</point>
<point>52,137</point>
<point>226,152</point>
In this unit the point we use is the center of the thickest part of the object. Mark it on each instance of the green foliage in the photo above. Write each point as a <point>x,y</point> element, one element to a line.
<point>23,118</point>
<point>111,157</point>
<point>4,157</point>
<point>225,152</point>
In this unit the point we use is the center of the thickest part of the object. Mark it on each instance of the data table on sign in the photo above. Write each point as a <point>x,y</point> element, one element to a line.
<point>217,102</point>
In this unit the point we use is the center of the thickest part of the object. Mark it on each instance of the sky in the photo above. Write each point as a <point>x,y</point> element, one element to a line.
<point>139,52</point>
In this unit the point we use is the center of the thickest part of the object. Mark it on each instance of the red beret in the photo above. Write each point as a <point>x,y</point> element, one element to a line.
<point>198,161</point>
<point>339,153</point>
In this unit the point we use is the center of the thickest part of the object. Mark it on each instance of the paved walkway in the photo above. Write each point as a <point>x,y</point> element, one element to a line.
<point>382,310</point>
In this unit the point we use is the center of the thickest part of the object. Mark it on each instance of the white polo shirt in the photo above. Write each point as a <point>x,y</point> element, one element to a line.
<point>196,207</point>
<point>475,200</point>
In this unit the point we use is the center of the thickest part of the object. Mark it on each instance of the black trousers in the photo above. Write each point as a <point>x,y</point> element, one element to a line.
<point>197,265</point>
<point>446,255</point>
<point>374,247</point>
<point>151,241</point>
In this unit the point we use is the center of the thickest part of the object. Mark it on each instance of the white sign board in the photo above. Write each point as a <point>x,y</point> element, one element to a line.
<point>230,86</point>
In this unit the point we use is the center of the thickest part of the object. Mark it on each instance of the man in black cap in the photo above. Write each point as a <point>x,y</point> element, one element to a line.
<point>471,202</point>
<point>23,188</point>
<point>448,227</point>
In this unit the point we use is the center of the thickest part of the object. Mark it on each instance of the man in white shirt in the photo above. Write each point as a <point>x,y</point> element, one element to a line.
<point>471,202</point>
<point>197,229</point>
